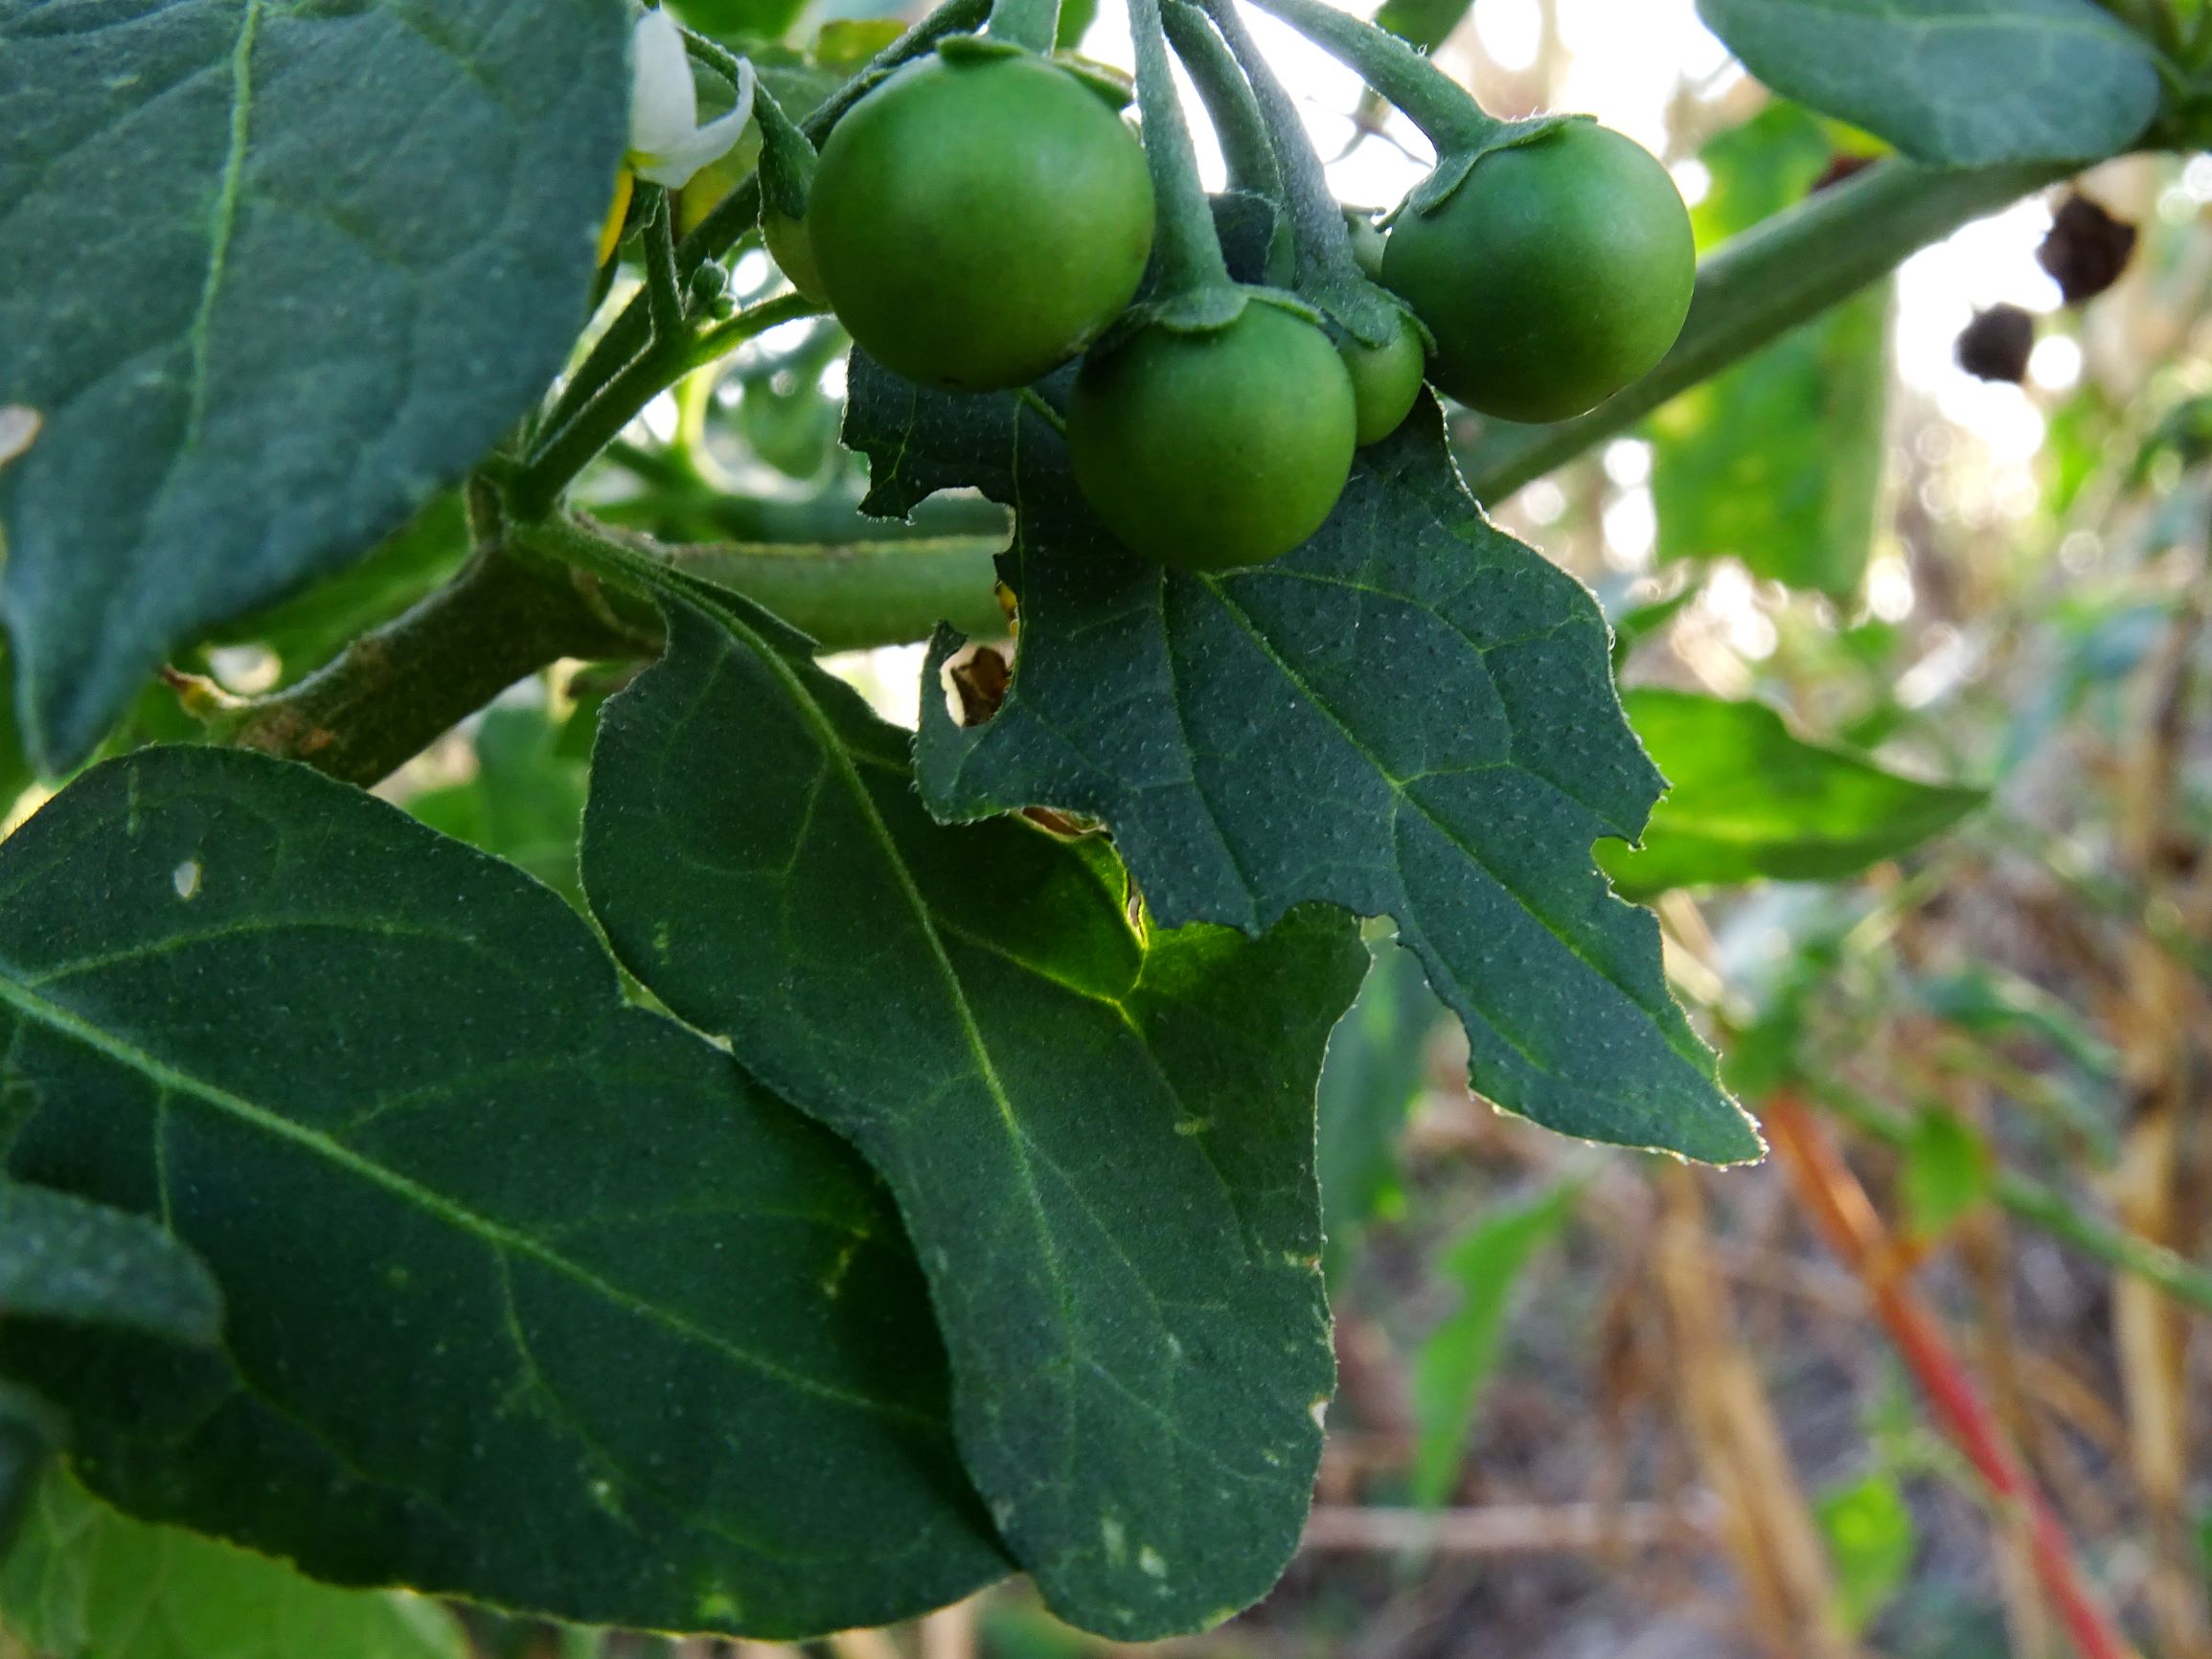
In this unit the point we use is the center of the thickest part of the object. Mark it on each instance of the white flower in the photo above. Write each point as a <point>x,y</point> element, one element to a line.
<point>667,144</point>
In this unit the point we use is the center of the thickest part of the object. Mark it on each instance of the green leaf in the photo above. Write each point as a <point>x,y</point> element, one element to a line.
<point>1948,1170</point>
<point>1957,83</point>
<point>1377,1062</point>
<point>1994,1001</point>
<point>272,275</point>
<point>1409,715</point>
<point>620,1337</point>
<point>84,1583</point>
<point>1455,1361</point>
<point>1871,1539</point>
<point>525,805</point>
<point>1777,463</point>
<point>1747,798</point>
<point>63,1259</point>
<point>1100,1137</point>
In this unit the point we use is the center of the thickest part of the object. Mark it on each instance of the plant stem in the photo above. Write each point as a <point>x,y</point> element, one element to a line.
<point>1845,1217</point>
<point>1189,252</point>
<point>1445,110</point>
<point>1761,284</point>
<point>664,293</point>
<point>566,451</point>
<point>1326,274</point>
<point>392,694</point>
<point>1227,98</point>
<point>2040,1206</point>
<point>725,336</point>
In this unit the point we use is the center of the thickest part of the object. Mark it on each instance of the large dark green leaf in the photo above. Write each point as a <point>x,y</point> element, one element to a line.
<point>1747,798</point>
<point>85,1582</point>
<point>626,1338</point>
<point>63,1259</point>
<point>1962,82</point>
<point>1101,1135</point>
<point>1409,715</point>
<point>271,274</point>
<point>1777,463</point>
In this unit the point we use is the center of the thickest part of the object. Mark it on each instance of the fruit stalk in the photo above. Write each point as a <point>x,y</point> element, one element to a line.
<point>1187,248</point>
<point>1228,99</point>
<point>1327,272</point>
<point>1446,111</point>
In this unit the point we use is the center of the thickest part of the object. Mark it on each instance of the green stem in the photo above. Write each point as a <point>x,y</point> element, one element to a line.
<point>726,336</point>
<point>392,694</point>
<point>2040,1206</point>
<point>1432,100</point>
<point>1188,249</point>
<point>1760,285</point>
<point>664,292</point>
<point>1034,25</point>
<point>1227,98</point>
<point>1317,228</point>
<point>566,451</point>
<point>852,597</point>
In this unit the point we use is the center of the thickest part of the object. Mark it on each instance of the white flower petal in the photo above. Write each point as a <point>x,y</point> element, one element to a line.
<point>674,165</point>
<point>664,106</point>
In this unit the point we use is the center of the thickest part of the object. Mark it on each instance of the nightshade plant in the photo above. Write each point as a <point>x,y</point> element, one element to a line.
<point>888,1165</point>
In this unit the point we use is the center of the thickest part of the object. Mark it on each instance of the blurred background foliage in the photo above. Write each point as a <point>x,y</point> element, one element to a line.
<point>1926,658</point>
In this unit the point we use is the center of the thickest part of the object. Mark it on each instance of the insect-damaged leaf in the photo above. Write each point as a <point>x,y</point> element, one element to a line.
<point>1412,715</point>
<point>1101,1138</point>
<point>604,1330</point>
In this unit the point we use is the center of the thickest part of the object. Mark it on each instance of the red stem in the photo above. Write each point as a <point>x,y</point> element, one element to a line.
<point>1845,1217</point>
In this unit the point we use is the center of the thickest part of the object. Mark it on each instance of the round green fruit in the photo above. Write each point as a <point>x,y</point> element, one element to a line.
<point>1556,273</point>
<point>1205,451</point>
<point>1367,242</point>
<point>791,246</point>
<point>1385,380</point>
<point>979,219</point>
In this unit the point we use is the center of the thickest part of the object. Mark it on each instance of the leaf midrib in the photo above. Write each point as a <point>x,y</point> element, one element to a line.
<point>180,1084</point>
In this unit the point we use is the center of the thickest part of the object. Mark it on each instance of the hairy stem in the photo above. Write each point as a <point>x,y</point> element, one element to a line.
<point>1445,110</point>
<point>392,694</point>
<point>516,610</point>
<point>1227,98</point>
<point>1317,222</point>
<point>1761,284</point>
<point>1189,252</point>
<point>565,450</point>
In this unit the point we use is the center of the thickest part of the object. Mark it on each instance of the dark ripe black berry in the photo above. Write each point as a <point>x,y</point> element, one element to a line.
<point>2085,250</point>
<point>1996,345</point>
